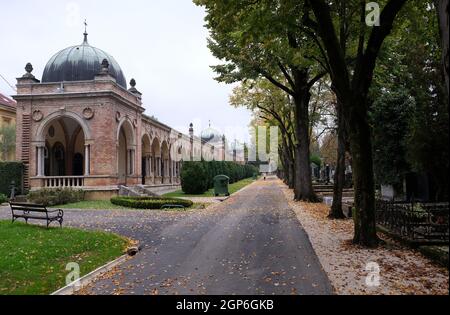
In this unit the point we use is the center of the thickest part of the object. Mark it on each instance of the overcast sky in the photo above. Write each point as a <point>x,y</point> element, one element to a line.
<point>162,44</point>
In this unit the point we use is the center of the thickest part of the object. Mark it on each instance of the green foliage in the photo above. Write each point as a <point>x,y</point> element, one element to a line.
<point>54,197</point>
<point>149,202</point>
<point>316,160</point>
<point>7,140</point>
<point>418,75</point>
<point>9,172</point>
<point>418,213</point>
<point>194,178</point>
<point>391,115</point>
<point>3,198</point>
<point>33,259</point>
<point>197,177</point>
<point>210,193</point>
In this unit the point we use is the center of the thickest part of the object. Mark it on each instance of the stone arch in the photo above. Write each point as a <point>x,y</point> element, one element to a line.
<point>47,122</point>
<point>146,144</point>
<point>126,150</point>
<point>127,126</point>
<point>72,133</point>
<point>146,152</point>
<point>165,152</point>
<point>166,168</point>
<point>156,147</point>
<point>156,159</point>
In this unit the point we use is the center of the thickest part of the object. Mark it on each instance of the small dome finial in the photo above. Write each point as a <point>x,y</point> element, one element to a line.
<point>85,41</point>
<point>29,68</point>
<point>133,89</point>
<point>104,67</point>
<point>105,64</point>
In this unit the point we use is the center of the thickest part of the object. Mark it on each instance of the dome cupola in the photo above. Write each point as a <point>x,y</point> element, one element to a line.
<point>211,136</point>
<point>81,63</point>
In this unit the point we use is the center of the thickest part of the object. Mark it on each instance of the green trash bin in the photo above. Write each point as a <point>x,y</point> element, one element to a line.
<point>221,183</point>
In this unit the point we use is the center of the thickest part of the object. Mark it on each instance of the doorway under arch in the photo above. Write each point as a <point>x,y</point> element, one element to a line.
<point>125,152</point>
<point>64,151</point>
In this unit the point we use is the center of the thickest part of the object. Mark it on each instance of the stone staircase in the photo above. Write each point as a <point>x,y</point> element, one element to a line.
<point>137,191</point>
<point>130,192</point>
<point>327,191</point>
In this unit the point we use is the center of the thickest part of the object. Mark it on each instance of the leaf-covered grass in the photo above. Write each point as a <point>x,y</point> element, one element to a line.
<point>33,259</point>
<point>92,205</point>
<point>210,193</point>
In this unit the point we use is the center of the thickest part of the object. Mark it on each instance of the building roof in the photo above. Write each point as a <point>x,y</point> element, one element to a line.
<point>8,102</point>
<point>81,63</point>
<point>211,135</point>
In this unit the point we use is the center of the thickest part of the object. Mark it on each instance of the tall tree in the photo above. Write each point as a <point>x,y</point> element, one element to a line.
<point>7,141</point>
<point>352,84</point>
<point>265,38</point>
<point>442,7</point>
<point>417,76</point>
<point>273,106</point>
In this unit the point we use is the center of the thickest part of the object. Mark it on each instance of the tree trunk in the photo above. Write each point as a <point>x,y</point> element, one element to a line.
<point>288,165</point>
<point>363,174</point>
<point>282,170</point>
<point>442,7</point>
<point>303,180</point>
<point>339,175</point>
<point>290,176</point>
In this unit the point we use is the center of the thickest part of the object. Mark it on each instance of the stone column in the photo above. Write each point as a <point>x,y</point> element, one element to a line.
<point>158,166</point>
<point>40,160</point>
<point>87,160</point>
<point>132,162</point>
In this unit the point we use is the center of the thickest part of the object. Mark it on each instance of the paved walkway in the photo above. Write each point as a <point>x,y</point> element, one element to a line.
<point>251,243</point>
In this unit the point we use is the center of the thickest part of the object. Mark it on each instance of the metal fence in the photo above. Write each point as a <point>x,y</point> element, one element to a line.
<point>415,222</point>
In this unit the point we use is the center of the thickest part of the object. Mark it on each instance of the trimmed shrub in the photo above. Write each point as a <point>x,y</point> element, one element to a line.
<point>54,197</point>
<point>149,202</point>
<point>198,177</point>
<point>9,172</point>
<point>194,178</point>
<point>3,198</point>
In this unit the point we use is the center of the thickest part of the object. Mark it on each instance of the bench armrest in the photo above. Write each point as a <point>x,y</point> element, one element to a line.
<point>60,212</point>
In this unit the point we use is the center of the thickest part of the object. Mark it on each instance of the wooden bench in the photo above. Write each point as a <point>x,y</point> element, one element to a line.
<point>29,211</point>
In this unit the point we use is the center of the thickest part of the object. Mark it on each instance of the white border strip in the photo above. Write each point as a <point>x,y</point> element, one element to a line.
<point>75,286</point>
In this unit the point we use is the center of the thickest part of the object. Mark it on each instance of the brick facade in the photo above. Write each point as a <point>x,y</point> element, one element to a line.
<point>120,142</point>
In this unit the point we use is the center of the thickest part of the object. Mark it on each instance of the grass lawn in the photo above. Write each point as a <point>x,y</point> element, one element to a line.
<point>210,193</point>
<point>92,205</point>
<point>33,259</point>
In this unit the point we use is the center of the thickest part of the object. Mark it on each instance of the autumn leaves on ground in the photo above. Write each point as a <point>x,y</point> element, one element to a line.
<point>402,270</point>
<point>258,241</point>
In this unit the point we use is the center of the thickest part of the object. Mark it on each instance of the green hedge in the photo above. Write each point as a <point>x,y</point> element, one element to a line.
<point>55,197</point>
<point>198,177</point>
<point>149,202</point>
<point>3,198</point>
<point>11,171</point>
